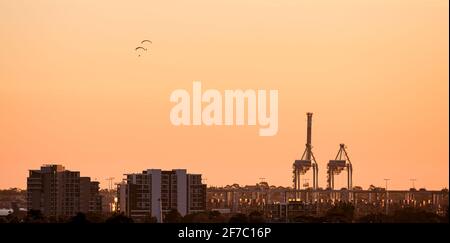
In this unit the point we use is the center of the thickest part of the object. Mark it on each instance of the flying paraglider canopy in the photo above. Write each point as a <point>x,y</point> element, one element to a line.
<point>149,41</point>
<point>139,48</point>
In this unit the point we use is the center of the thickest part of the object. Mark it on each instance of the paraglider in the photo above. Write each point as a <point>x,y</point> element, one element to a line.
<point>140,49</point>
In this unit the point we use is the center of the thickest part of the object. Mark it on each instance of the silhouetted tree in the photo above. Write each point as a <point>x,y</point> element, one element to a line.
<point>256,217</point>
<point>12,219</point>
<point>95,218</point>
<point>150,219</point>
<point>308,219</point>
<point>405,215</point>
<point>119,219</point>
<point>216,217</point>
<point>173,216</point>
<point>80,218</point>
<point>204,217</point>
<point>238,218</point>
<point>373,218</point>
<point>54,219</point>
<point>35,216</point>
<point>199,217</point>
<point>412,215</point>
<point>340,213</point>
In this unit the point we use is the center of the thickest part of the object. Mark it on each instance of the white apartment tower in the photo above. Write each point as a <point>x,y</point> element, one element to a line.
<point>155,192</point>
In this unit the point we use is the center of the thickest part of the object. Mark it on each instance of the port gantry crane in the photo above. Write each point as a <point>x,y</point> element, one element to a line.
<point>336,166</point>
<point>307,161</point>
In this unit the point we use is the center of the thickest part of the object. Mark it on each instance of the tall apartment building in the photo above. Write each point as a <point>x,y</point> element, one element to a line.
<point>155,192</point>
<point>57,192</point>
<point>90,198</point>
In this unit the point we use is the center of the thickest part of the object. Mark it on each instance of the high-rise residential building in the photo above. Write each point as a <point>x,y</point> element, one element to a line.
<point>155,192</point>
<point>57,192</point>
<point>90,198</point>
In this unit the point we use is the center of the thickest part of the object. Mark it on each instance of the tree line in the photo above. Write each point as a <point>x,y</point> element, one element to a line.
<point>340,213</point>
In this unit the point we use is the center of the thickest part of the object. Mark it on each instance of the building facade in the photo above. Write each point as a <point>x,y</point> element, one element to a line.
<point>58,192</point>
<point>155,192</point>
<point>284,203</point>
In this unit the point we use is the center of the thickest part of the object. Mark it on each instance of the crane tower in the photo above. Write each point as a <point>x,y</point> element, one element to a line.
<point>336,166</point>
<point>307,161</point>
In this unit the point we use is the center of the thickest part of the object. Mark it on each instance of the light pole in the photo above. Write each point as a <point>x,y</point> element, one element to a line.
<point>386,205</point>
<point>413,180</point>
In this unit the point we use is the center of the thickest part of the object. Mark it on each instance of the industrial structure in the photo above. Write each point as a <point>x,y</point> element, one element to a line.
<point>336,166</point>
<point>286,203</point>
<point>307,161</point>
<point>283,203</point>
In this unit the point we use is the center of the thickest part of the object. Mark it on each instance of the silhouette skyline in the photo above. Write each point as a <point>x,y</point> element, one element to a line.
<point>375,74</point>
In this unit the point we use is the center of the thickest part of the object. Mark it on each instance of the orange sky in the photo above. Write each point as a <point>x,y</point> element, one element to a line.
<point>375,74</point>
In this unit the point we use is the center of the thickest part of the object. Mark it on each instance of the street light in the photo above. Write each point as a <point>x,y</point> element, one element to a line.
<point>387,196</point>
<point>413,180</point>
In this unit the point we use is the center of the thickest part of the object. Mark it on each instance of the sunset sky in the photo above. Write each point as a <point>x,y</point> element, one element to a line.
<point>374,73</point>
